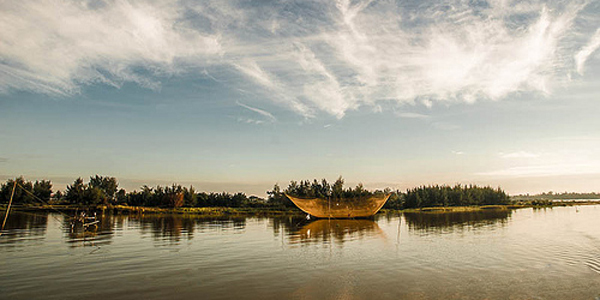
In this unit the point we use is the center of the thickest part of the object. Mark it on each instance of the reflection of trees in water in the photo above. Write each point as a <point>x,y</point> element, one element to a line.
<point>286,224</point>
<point>234,225</point>
<point>442,221</point>
<point>339,230</point>
<point>175,227</point>
<point>169,226</point>
<point>23,226</point>
<point>389,216</point>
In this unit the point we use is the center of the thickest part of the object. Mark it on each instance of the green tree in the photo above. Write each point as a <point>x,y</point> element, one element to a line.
<point>75,193</point>
<point>23,192</point>
<point>277,198</point>
<point>94,196</point>
<point>190,198</point>
<point>121,197</point>
<point>43,189</point>
<point>58,197</point>
<point>426,196</point>
<point>108,186</point>
<point>337,189</point>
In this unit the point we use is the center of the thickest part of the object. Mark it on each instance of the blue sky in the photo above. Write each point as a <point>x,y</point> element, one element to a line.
<point>239,95</point>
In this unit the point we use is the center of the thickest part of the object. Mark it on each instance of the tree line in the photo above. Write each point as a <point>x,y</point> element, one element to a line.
<point>325,190</point>
<point>423,196</point>
<point>557,196</point>
<point>458,195</point>
<point>104,190</point>
<point>27,193</point>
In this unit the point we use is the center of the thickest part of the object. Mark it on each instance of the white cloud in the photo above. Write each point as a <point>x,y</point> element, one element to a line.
<point>261,112</point>
<point>321,87</point>
<point>310,56</point>
<point>572,158</point>
<point>411,115</point>
<point>252,70</point>
<point>250,121</point>
<point>583,54</point>
<point>519,154</point>
<point>275,89</point>
<point>54,46</point>
<point>546,170</point>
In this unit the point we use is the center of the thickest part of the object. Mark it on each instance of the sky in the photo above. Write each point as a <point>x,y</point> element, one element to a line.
<point>240,95</point>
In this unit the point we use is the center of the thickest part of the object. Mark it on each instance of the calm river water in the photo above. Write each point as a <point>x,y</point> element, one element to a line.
<point>520,254</point>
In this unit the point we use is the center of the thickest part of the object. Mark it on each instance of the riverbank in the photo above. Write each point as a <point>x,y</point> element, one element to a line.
<point>269,211</point>
<point>201,211</point>
<point>442,209</point>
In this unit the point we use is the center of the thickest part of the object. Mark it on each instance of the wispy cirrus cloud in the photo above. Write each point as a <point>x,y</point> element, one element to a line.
<point>267,115</point>
<point>412,115</point>
<point>574,157</point>
<point>274,89</point>
<point>546,170</point>
<point>311,56</point>
<point>519,154</point>
<point>582,56</point>
<point>55,46</point>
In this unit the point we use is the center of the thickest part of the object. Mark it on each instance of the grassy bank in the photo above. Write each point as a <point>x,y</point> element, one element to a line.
<point>268,211</point>
<point>442,209</point>
<point>201,211</point>
<point>209,211</point>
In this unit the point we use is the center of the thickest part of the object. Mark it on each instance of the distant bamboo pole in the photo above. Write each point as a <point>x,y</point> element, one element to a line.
<point>9,204</point>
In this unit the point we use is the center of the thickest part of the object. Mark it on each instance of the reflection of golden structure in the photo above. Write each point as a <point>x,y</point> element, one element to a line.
<point>341,208</point>
<point>338,228</point>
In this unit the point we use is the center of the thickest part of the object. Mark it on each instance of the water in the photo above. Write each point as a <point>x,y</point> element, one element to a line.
<point>521,254</point>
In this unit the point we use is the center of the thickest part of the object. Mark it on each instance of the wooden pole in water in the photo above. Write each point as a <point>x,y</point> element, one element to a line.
<point>9,204</point>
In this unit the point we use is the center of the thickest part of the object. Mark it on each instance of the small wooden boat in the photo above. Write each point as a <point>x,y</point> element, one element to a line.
<point>341,208</point>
